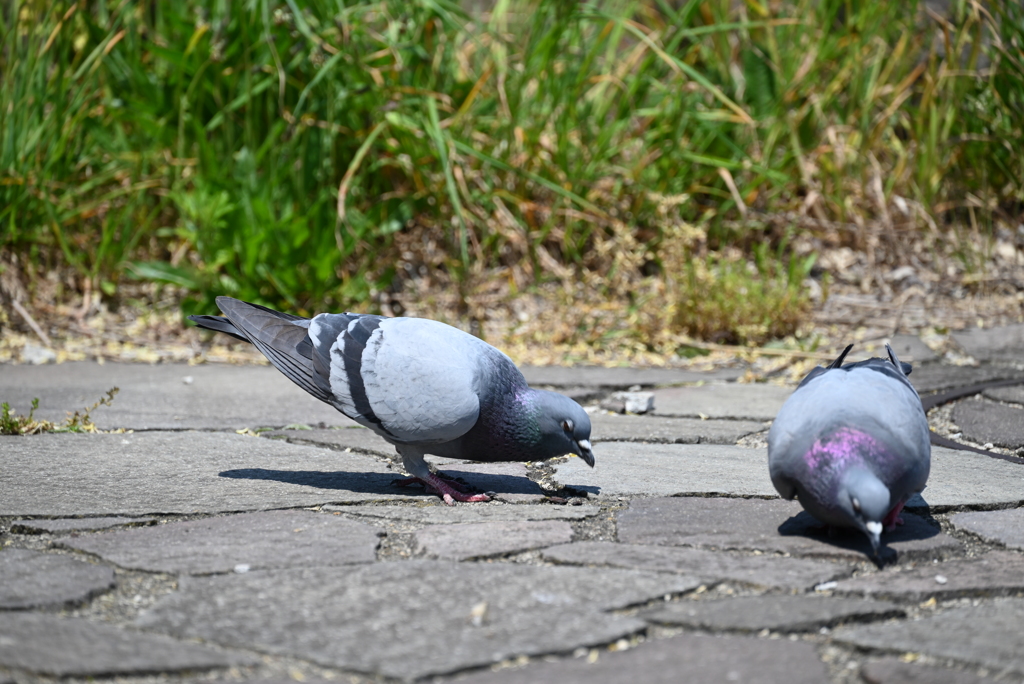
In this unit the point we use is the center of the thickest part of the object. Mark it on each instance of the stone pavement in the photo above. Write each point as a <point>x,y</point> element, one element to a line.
<point>184,550</point>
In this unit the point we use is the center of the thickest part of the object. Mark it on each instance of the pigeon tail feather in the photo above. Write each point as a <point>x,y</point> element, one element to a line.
<point>282,338</point>
<point>218,324</point>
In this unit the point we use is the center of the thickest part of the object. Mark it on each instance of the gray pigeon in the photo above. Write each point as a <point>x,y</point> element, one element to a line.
<point>424,386</point>
<point>851,444</point>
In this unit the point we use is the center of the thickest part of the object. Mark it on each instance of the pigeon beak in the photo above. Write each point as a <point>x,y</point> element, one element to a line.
<point>585,453</point>
<point>874,532</point>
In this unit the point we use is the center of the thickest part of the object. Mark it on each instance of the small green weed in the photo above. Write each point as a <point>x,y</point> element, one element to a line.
<point>79,421</point>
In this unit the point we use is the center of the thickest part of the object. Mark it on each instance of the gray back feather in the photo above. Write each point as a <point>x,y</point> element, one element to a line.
<point>873,396</point>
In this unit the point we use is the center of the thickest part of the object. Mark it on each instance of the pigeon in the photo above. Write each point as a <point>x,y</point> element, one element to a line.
<point>851,444</point>
<point>425,387</point>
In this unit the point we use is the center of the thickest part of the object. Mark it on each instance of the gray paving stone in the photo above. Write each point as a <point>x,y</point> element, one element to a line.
<point>271,539</point>
<point>738,402</point>
<point>482,539</point>
<point>910,348</point>
<point>413,618</point>
<point>61,525</point>
<point>962,478</point>
<point>710,567</point>
<point>773,526</point>
<point>441,514</point>
<point>620,378</point>
<point>634,469</point>
<point>49,645</point>
<point>934,377</point>
<point>684,658</point>
<point>958,478</point>
<point>611,427</point>
<point>159,397</point>
<point>779,613</point>
<point>508,480</point>
<point>175,472</point>
<point>1013,394</point>
<point>358,439</point>
<point>996,573</point>
<point>984,421</point>
<point>583,395</point>
<point>993,344</point>
<point>1004,527</point>
<point>895,671</point>
<point>32,579</point>
<point>988,634</point>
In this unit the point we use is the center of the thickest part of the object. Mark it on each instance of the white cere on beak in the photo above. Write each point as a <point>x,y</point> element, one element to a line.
<point>874,528</point>
<point>584,444</point>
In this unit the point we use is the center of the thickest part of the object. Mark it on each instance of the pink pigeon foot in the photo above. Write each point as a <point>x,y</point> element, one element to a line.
<point>893,518</point>
<point>445,487</point>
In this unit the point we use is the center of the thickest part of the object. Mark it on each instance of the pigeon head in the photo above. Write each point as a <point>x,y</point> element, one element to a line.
<point>865,499</point>
<point>564,427</point>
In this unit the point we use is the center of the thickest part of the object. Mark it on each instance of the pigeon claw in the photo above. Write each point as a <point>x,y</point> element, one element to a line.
<point>444,487</point>
<point>893,518</point>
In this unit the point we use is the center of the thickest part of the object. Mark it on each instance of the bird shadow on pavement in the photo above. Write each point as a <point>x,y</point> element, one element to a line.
<point>381,483</point>
<point>364,483</point>
<point>915,527</point>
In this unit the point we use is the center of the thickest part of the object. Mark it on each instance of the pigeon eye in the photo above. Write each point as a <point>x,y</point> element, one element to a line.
<point>567,425</point>
<point>856,505</point>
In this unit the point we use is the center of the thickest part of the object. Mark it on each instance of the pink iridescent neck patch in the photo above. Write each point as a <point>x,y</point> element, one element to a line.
<point>841,449</point>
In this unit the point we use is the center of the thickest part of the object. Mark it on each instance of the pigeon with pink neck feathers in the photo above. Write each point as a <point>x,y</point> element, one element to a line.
<point>851,444</point>
<point>424,386</point>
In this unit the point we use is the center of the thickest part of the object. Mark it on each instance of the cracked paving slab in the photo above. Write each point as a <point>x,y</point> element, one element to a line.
<point>64,525</point>
<point>613,427</point>
<point>992,344</point>
<point>167,396</point>
<point>737,402</point>
<point>478,540</point>
<point>174,472</point>
<point>895,671</point>
<point>996,573</point>
<point>769,526</point>
<point>358,439</point>
<point>72,647</point>
<point>794,574</point>
<point>983,422</point>
<point>1012,395</point>
<point>1004,527</point>
<point>684,658</point>
<point>986,634</point>
<point>633,469</point>
<point>374,619</point>
<point>271,539</point>
<point>780,613</point>
<point>958,478</point>
<point>508,481</point>
<point>441,514</point>
<point>31,579</point>
<point>936,378</point>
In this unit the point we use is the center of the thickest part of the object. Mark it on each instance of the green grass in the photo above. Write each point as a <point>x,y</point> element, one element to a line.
<point>185,144</point>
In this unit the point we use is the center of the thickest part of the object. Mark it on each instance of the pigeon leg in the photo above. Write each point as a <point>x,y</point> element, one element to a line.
<point>413,461</point>
<point>893,518</point>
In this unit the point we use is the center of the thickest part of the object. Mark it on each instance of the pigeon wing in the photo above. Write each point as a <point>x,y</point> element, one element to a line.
<point>410,379</point>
